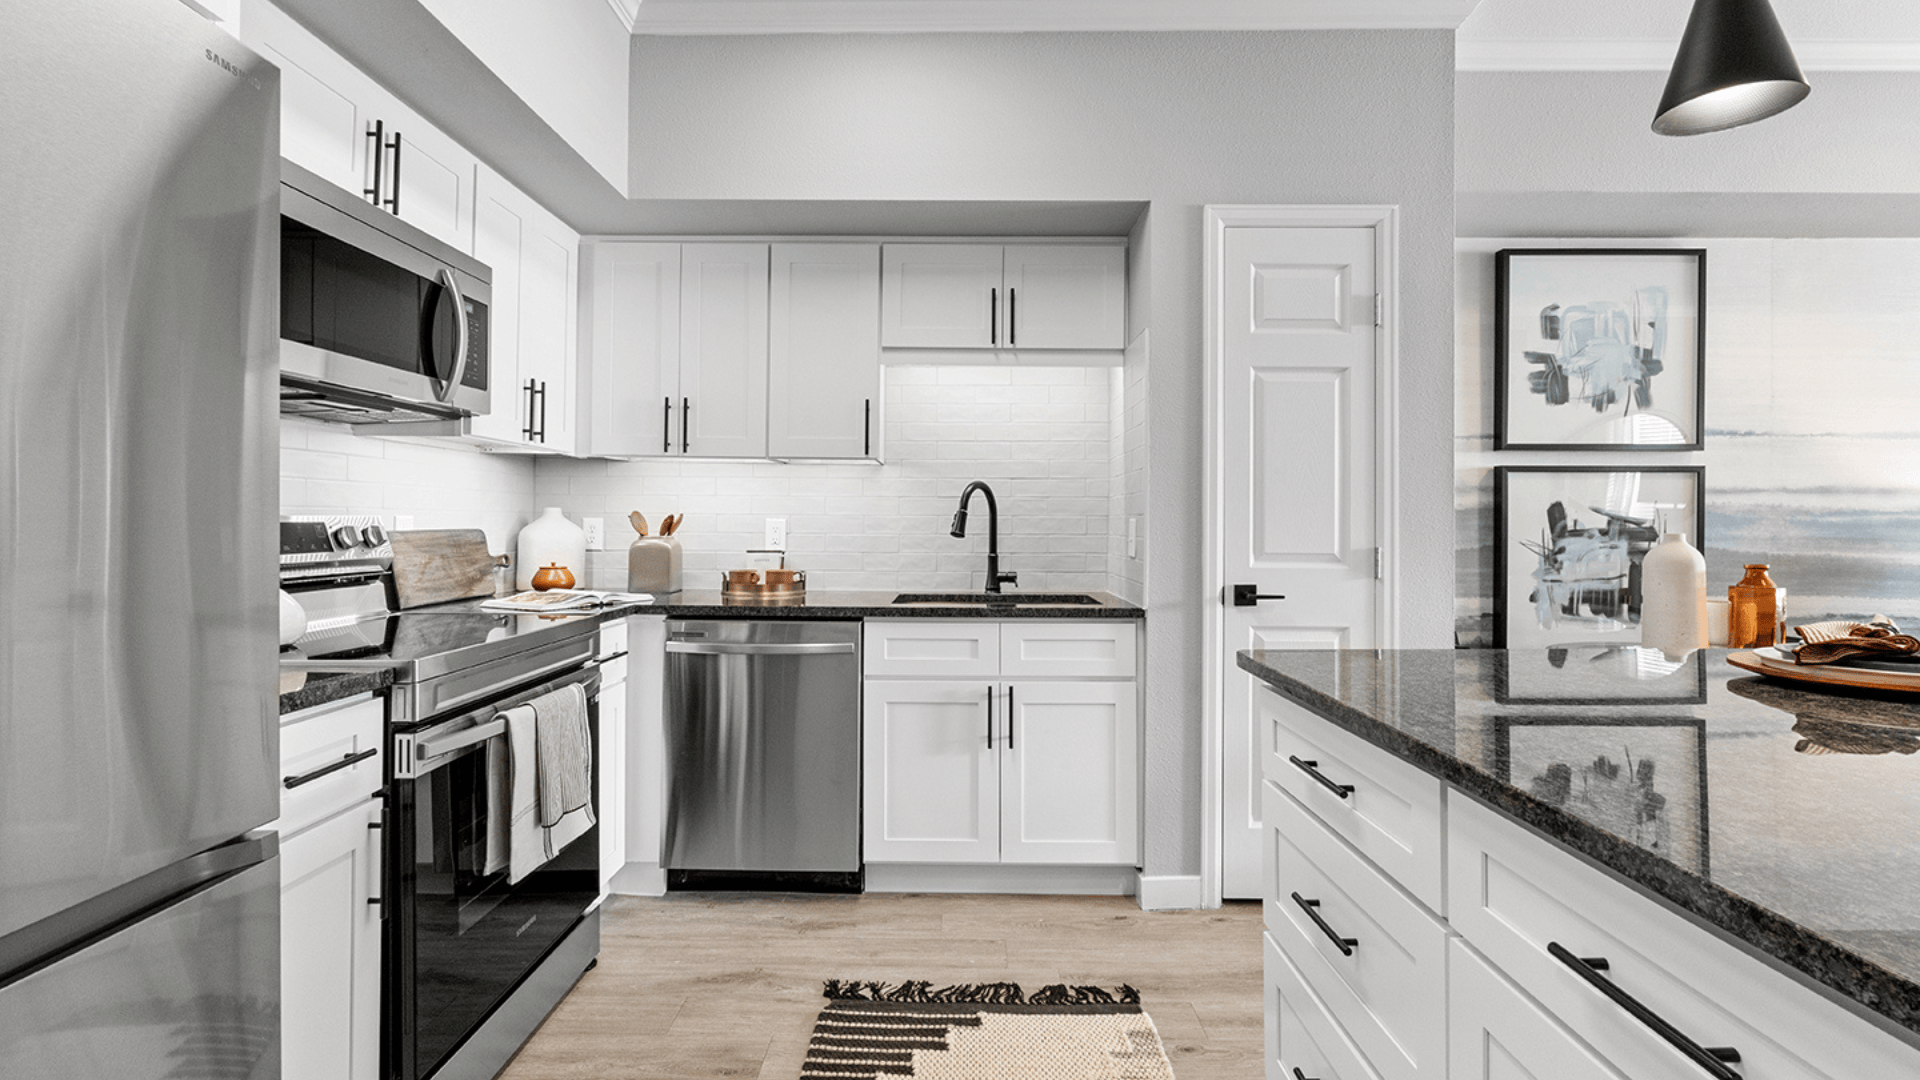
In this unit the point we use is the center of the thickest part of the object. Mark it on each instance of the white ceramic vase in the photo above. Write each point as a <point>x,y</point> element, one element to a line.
<point>550,539</point>
<point>1673,597</point>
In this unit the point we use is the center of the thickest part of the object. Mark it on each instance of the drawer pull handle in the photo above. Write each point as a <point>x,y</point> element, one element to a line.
<point>1298,1075</point>
<point>1346,944</point>
<point>1312,768</point>
<point>1712,1059</point>
<point>347,762</point>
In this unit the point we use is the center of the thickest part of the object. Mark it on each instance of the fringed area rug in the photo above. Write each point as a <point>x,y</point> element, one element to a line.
<point>987,1031</point>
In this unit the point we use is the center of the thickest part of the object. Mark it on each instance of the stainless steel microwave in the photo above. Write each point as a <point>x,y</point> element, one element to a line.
<point>379,322</point>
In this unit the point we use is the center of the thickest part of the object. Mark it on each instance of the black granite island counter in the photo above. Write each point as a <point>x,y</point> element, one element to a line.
<point>879,604</point>
<point>1788,819</point>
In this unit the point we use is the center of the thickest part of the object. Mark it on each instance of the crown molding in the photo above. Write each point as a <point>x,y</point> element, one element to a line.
<point>1013,16</point>
<point>627,11</point>
<point>1653,54</point>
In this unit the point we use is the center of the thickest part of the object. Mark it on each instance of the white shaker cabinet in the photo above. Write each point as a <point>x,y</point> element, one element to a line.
<point>330,891</point>
<point>823,365</point>
<point>338,122</point>
<point>677,335</point>
<point>1009,298</point>
<point>966,763</point>
<point>611,754</point>
<point>535,259</point>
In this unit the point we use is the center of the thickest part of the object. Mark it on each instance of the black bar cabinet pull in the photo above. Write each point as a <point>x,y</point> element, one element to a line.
<point>1712,1059</point>
<point>393,200</point>
<point>1312,768</point>
<point>686,406</point>
<point>666,427</point>
<point>1298,1075</point>
<point>1013,329</point>
<point>542,434</point>
<point>377,135</point>
<point>867,427</point>
<point>1009,717</point>
<point>989,716</point>
<point>993,316</point>
<point>526,429</point>
<point>291,782</point>
<point>1346,944</point>
<point>1249,595</point>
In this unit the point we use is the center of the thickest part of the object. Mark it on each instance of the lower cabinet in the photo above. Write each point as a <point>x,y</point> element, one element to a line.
<point>994,769</point>
<point>1495,1031</point>
<point>330,892</point>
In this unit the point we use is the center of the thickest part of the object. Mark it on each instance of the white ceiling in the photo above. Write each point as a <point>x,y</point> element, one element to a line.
<point>1493,34</point>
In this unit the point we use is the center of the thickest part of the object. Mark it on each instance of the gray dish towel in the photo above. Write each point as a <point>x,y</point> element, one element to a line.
<point>565,751</point>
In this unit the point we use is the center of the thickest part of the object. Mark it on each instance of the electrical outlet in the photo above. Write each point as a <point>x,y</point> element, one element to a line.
<point>776,534</point>
<point>596,530</point>
<point>1133,536</point>
<point>402,522</point>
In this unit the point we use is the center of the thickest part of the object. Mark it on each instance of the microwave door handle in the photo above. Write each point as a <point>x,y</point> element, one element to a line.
<point>459,337</point>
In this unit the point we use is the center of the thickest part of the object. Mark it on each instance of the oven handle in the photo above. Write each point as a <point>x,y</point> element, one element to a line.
<point>414,755</point>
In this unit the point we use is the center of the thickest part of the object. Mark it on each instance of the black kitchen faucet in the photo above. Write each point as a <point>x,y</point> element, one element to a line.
<point>994,576</point>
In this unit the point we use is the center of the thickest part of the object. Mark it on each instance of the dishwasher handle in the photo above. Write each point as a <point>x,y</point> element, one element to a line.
<point>741,648</point>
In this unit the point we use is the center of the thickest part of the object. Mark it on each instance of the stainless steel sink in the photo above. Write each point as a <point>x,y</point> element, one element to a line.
<point>1004,599</point>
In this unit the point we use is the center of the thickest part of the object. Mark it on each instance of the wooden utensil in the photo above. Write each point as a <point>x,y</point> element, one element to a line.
<point>431,566</point>
<point>671,525</point>
<point>639,522</point>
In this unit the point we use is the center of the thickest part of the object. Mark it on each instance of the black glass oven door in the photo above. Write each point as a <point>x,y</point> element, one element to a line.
<point>462,936</point>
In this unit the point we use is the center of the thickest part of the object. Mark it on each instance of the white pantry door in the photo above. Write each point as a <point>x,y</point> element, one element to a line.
<point>1298,348</point>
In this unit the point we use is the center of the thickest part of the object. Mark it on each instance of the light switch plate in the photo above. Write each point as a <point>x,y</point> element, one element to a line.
<point>596,530</point>
<point>776,534</point>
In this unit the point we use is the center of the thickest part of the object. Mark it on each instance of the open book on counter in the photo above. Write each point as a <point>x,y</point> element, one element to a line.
<point>564,600</point>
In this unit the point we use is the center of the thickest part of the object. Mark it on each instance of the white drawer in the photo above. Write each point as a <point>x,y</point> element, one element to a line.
<point>1303,1039</point>
<point>1514,893</point>
<point>1082,650</point>
<point>932,648</point>
<point>613,637</point>
<point>1496,1032</point>
<point>1392,812</point>
<point>1386,990</point>
<point>314,739</point>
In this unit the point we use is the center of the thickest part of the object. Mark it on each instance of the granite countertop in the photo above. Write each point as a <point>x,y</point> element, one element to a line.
<point>878,604</point>
<point>311,689</point>
<point>1788,818</point>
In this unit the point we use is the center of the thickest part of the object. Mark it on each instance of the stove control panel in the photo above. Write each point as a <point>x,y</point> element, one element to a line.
<point>312,546</point>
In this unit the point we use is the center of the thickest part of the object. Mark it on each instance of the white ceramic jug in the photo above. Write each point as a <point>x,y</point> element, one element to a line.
<point>1673,597</point>
<point>551,538</point>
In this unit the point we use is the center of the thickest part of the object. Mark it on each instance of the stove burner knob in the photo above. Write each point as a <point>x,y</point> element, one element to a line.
<point>345,537</point>
<point>375,535</point>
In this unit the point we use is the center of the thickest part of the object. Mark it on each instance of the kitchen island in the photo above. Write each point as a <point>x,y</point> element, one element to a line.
<point>879,604</point>
<point>1781,821</point>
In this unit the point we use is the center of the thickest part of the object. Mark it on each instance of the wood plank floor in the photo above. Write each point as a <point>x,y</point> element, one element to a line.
<point>728,984</point>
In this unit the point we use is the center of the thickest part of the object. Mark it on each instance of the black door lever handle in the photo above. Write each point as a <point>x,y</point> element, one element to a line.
<point>1249,595</point>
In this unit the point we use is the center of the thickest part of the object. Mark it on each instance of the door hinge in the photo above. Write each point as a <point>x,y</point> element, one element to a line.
<point>1379,307</point>
<point>1379,563</point>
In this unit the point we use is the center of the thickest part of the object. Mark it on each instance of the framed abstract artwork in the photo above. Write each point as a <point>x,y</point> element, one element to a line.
<point>1568,545</point>
<point>1599,348</point>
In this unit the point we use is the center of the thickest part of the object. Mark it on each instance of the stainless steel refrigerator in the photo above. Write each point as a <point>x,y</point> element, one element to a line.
<point>139,892</point>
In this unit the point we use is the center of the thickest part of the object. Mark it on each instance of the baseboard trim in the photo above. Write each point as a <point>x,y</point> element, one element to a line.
<point>1170,892</point>
<point>1023,880</point>
<point>639,879</point>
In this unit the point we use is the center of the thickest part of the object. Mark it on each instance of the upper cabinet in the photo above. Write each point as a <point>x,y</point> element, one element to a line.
<point>535,260</point>
<point>343,125</point>
<point>824,351</point>
<point>1010,298</point>
<point>678,341</point>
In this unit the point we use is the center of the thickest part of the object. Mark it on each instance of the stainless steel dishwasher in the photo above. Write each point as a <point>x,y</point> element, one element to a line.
<point>763,753</point>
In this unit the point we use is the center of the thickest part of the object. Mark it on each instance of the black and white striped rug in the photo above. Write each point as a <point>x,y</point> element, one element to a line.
<point>985,1031</point>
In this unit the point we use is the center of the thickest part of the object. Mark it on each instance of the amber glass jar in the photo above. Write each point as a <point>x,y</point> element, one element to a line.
<point>1753,617</point>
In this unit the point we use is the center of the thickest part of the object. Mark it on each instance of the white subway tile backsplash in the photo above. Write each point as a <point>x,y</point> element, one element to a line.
<point>1042,437</point>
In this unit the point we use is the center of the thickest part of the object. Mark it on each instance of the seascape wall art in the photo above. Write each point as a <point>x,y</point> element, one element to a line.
<point>1812,433</point>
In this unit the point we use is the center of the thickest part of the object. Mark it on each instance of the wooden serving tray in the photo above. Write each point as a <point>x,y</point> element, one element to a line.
<point>1771,662</point>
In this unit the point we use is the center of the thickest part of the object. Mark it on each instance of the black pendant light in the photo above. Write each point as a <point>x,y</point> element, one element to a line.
<point>1734,67</point>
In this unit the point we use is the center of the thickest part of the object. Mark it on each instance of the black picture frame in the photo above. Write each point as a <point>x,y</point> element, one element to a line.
<point>1540,394</point>
<point>1600,673</point>
<point>1580,743</point>
<point>1616,526</point>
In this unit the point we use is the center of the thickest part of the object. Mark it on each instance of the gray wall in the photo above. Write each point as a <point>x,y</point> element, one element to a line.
<point>1179,120</point>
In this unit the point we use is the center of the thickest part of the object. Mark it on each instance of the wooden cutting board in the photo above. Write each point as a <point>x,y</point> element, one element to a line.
<point>431,566</point>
